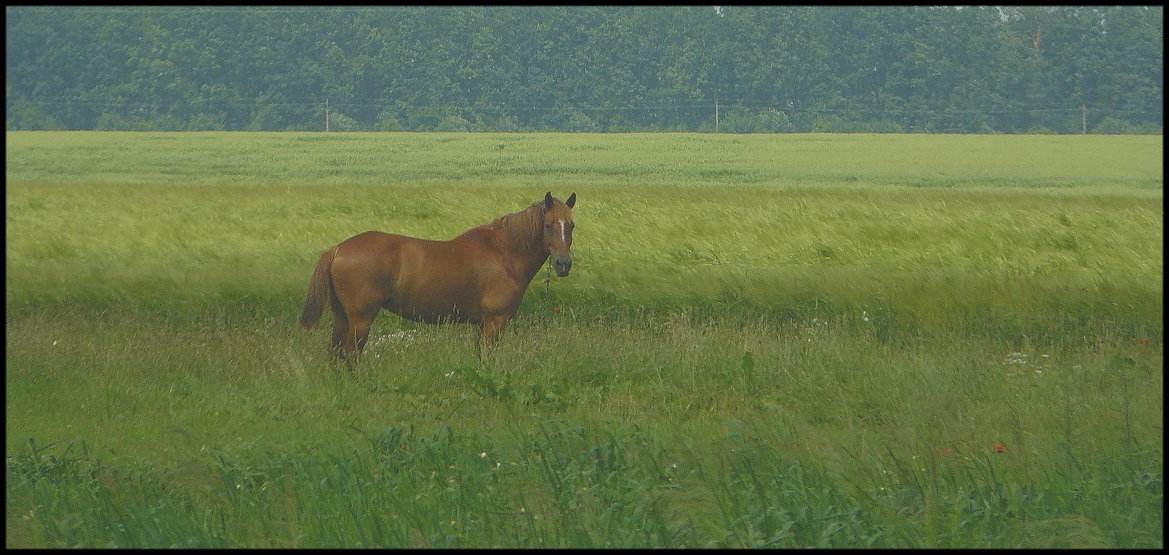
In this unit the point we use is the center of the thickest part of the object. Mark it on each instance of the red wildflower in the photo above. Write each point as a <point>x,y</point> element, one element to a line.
<point>556,310</point>
<point>999,448</point>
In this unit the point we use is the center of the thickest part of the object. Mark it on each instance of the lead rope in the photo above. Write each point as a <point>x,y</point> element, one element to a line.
<point>548,277</point>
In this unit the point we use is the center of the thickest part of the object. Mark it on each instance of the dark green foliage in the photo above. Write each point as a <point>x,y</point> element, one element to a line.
<point>586,68</point>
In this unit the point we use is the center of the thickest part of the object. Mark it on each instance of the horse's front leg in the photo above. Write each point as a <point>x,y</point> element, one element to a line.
<point>489,332</point>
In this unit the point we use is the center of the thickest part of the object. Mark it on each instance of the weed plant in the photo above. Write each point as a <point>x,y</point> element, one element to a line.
<point>767,341</point>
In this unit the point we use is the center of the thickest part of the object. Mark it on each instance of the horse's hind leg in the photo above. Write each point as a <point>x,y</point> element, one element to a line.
<point>340,326</point>
<point>357,332</point>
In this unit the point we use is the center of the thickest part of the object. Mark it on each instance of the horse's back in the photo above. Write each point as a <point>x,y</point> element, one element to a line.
<point>371,249</point>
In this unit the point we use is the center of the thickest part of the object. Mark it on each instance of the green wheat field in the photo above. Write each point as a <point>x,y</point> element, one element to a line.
<point>766,341</point>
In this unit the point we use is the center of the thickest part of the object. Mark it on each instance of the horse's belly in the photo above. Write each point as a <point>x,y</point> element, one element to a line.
<point>438,310</point>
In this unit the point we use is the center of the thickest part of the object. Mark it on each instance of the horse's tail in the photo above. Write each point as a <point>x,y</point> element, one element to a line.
<point>320,288</point>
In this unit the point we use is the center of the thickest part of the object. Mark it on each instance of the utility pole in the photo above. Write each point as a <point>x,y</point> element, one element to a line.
<point>326,115</point>
<point>716,114</point>
<point>1083,119</point>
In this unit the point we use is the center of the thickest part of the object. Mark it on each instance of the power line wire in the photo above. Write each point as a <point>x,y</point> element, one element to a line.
<point>731,105</point>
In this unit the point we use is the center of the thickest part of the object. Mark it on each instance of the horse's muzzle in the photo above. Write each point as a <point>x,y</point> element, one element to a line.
<point>562,265</point>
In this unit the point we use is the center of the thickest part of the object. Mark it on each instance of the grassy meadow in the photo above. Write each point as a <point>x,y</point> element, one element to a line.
<point>766,341</point>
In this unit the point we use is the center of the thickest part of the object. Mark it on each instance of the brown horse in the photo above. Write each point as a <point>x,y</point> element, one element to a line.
<point>478,277</point>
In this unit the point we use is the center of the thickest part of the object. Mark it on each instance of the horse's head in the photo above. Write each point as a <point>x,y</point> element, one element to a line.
<point>558,232</point>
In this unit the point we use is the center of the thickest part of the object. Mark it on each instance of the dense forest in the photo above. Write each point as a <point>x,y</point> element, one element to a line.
<point>596,69</point>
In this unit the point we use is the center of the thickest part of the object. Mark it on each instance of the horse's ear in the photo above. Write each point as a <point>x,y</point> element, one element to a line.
<point>548,201</point>
<point>571,200</point>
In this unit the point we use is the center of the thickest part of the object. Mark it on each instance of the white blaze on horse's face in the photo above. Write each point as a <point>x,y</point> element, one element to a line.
<point>558,232</point>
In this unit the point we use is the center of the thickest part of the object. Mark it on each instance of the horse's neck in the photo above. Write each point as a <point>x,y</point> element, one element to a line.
<point>523,239</point>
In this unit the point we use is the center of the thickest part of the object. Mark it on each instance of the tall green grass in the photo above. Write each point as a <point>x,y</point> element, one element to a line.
<point>767,341</point>
<point>490,161</point>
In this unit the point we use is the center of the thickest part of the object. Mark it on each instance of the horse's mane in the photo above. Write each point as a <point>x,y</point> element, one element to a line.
<point>524,228</point>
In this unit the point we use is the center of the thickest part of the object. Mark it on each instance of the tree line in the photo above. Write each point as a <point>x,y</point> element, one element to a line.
<point>764,69</point>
